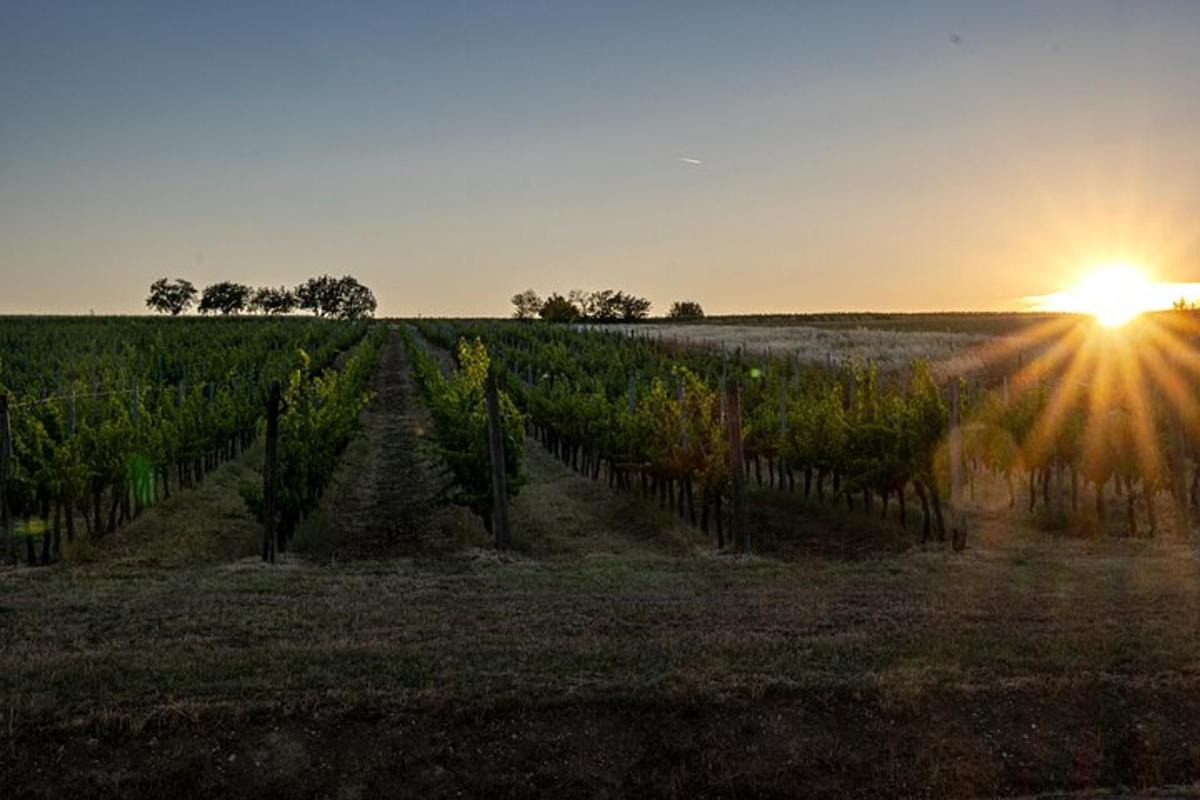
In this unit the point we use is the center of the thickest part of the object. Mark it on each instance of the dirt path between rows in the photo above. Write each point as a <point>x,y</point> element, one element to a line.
<point>384,498</point>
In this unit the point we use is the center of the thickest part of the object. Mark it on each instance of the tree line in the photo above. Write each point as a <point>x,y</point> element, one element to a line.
<point>605,305</point>
<point>326,296</point>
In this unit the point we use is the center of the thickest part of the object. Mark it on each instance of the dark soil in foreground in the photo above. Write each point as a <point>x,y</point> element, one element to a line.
<point>952,741</point>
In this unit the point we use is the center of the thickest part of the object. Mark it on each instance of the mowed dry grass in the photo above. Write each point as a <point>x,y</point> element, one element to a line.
<point>949,351</point>
<point>1026,654</point>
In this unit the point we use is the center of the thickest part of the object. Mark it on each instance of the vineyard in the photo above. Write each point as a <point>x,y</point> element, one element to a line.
<point>103,416</point>
<point>687,423</point>
<point>556,559</point>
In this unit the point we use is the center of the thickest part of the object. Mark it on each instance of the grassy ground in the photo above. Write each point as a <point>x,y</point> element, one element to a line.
<point>207,524</point>
<point>1030,666</point>
<point>613,654</point>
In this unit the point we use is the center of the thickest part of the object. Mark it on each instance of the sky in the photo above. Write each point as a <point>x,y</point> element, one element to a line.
<point>752,156</point>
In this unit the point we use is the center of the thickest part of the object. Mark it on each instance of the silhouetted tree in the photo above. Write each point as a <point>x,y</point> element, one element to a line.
<point>601,306</point>
<point>316,295</point>
<point>344,298</point>
<point>609,305</point>
<point>685,309</point>
<point>351,300</point>
<point>605,305</point>
<point>225,297</point>
<point>273,301</point>
<point>526,305</point>
<point>559,309</point>
<point>171,297</point>
<point>581,300</point>
<point>632,308</point>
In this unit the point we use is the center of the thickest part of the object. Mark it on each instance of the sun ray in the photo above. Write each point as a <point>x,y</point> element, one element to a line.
<point>1141,410</point>
<point>1162,361</point>
<point>1069,389</point>
<point>1100,400</point>
<point>1057,354</point>
<point>1166,334</point>
<point>1007,348</point>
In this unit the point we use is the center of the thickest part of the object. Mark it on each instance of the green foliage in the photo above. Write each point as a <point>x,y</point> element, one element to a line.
<point>830,422</point>
<point>320,416</point>
<point>459,410</point>
<point>148,399</point>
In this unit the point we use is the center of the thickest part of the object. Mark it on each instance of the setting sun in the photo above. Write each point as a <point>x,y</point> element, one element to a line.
<point>1113,294</point>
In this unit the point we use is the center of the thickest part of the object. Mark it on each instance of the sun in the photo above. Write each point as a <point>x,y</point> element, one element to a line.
<point>1113,294</point>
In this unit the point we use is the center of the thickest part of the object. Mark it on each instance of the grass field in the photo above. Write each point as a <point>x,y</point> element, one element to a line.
<point>1000,323</point>
<point>890,350</point>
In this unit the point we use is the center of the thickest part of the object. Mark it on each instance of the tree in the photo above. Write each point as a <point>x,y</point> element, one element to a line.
<point>526,305</point>
<point>608,305</point>
<point>352,300</point>
<point>171,297</point>
<point>225,297</point>
<point>315,294</point>
<point>602,306</point>
<point>559,309</point>
<point>631,307</point>
<point>273,301</point>
<point>344,298</point>
<point>581,300</point>
<point>685,309</point>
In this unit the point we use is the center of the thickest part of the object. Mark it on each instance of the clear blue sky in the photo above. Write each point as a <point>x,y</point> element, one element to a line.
<point>852,155</point>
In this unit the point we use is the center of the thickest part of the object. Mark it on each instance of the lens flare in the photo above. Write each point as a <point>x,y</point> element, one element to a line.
<point>1113,294</point>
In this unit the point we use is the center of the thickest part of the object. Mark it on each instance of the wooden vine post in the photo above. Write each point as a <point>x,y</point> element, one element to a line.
<point>271,477</point>
<point>724,375</point>
<point>783,408</point>
<point>6,449</point>
<point>737,467</point>
<point>1178,478</point>
<point>958,520</point>
<point>500,520</point>
<point>1179,489</point>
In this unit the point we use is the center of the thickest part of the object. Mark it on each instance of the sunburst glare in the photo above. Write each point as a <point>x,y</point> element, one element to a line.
<point>1113,294</point>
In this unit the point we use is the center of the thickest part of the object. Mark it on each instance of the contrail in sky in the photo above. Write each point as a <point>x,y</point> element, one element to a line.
<point>695,162</point>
